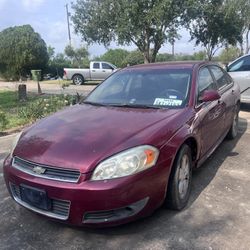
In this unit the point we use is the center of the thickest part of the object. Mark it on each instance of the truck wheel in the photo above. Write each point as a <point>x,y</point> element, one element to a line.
<point>180,180</point>
<point>78,79</point>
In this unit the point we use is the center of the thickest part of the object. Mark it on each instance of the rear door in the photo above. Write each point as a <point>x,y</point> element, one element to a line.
<point>240,72</point>
<point>211,114</point>
<point>225,89</point>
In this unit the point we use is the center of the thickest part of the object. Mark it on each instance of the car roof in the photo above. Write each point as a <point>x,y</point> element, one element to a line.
<point>170,65</point>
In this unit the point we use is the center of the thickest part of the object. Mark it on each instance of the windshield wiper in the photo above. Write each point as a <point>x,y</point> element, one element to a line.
<point>93,103</point>
<point>131,105</point>
<point>124,105</point>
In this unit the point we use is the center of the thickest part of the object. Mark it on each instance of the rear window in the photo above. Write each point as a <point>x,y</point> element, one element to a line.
<point>220,76</point>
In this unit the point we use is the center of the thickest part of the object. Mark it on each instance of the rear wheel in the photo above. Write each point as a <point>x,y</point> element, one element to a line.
<point>78,79</point>
<point>234,127</point>
<point>180,180</point>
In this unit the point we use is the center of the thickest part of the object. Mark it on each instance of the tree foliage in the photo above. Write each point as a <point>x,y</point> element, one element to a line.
<point>242,10</point>
<point>115,56</point>
<point>211,24</point>
<point>78,56</point>
<point>229,54</point>
<point>143,23</point>
<point>21,49</point>
<point>57,63</point>
<point>51,52</point>
<point>133,58</point>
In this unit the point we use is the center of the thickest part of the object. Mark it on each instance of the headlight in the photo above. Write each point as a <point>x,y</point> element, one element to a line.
<point>15,143</point>
<point>128,162</point>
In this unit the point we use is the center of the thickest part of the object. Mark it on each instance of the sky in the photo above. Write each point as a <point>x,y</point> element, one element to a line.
<point>48,18</point>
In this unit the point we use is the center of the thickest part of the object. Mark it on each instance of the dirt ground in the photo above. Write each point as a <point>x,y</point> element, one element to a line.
<point>49,88</point>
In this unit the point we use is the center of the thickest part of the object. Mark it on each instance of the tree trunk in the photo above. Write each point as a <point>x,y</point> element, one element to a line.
<point>209,54</point>
<point>146,57</point>
<point>173,50</point>
<point>241,49</point>
<point>247,42</point>
<point>22,92</point>
<point>153,57</point>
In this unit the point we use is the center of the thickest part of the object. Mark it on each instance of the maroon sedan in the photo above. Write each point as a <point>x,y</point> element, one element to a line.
<point>128,148</point>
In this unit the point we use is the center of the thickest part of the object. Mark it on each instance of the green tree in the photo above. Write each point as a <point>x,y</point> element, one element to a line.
<point>78,56</point>
<point>242,9</point>
<point>229,54</point>
<point>212,26</point>
<point>142,23</point>
<point>164,57</point>
<point>115,56</point>
<point>57,64</point>
<point>51,52</point>
<point>21,49</point>
<point>133,58</point>
<point>200,55</point>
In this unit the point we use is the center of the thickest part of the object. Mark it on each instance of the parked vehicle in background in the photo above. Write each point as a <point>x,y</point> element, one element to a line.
<point>128,148</point>
<point>96,71</point>
<point>239,70</point>
<point>49,77</point>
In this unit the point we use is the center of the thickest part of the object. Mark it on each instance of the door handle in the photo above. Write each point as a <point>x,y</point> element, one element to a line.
<point>103,71</point>
<point>93,70</point>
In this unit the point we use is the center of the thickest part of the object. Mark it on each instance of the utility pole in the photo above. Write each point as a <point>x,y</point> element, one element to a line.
<point>68,14</point>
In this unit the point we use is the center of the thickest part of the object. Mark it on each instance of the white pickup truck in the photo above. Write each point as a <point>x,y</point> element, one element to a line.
<point>96,71</point>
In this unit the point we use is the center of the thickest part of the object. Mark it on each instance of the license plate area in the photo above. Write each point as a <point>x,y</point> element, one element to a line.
<point>35,197</point>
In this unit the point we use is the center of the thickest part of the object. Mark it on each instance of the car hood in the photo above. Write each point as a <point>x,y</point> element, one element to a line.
<point>81,136</point>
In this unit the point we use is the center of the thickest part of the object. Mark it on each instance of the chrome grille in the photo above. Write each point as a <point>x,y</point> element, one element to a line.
<point>60,208</point>
<point>47,172</point>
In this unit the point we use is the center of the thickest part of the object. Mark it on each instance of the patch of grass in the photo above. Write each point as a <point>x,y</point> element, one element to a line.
<point>19,113</point>
<point>67,83</point>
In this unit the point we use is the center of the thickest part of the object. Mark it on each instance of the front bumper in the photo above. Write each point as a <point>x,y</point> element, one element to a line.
<point>102,203</point>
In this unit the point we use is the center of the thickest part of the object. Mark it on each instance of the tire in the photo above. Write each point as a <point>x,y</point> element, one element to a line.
<point>78,79</point>
<point>180,179</point>
<point>232,133</point>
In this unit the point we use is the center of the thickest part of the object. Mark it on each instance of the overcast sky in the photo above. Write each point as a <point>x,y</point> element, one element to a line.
<point>48,18</point>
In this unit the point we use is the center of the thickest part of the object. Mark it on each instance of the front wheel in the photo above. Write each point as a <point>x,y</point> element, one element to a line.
<point>78,79</point>
<point>180,180</point>
<point>234,127</point>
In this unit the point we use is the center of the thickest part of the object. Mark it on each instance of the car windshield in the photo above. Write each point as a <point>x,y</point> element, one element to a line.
<point>144,88</point>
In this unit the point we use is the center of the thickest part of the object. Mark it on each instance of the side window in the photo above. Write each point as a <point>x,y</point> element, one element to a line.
<point>242,64</point>
<point>205,82</point>
<point>96,65</point>
<point>220,76</point>
<point>106,66</point>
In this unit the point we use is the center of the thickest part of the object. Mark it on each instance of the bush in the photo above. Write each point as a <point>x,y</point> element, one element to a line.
<point>3,120</point>
<point>133,58</point>
<point>43,107</point>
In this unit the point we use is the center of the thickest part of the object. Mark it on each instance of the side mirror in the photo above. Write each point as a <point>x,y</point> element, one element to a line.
<point>209,96</point>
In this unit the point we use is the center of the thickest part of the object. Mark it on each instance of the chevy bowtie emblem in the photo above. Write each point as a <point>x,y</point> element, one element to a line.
<point>39,170</point>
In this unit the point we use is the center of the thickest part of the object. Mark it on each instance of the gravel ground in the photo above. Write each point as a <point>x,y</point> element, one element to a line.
<point>49,88</point>
<point>217,216</point>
